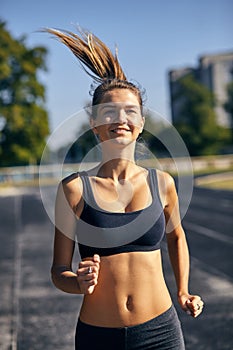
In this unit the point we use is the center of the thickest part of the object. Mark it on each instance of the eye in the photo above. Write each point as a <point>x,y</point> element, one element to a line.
<point>109,112</point>
<point>131,112</point>
<point>128,111</point>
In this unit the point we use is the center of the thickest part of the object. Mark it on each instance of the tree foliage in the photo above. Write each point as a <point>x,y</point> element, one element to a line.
<point>197,120</point>
<point>153,136</point>
<point>85,146</point>
<point>229,105</point>
<point>23,119</point>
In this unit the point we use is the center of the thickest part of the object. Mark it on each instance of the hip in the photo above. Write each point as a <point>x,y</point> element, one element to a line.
<point>161,332</point>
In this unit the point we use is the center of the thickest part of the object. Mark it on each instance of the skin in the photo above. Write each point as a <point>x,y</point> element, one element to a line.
<point>129,288</point>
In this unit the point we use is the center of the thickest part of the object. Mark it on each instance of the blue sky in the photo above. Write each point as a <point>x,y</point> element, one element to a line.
<point>153,36</point>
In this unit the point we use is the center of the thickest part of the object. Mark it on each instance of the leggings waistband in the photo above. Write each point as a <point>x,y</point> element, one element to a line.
<point>162,332</point>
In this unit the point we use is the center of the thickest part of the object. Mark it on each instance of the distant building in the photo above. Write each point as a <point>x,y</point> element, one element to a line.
<point>213,71</point>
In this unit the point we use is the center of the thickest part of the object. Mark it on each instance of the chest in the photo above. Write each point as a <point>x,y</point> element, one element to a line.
<point>123,196</point>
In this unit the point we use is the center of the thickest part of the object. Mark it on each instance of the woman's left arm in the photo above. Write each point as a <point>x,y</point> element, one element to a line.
<point>178,250</point>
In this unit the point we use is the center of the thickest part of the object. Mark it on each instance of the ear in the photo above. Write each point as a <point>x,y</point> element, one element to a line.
<point>142,124</point>
<point>93,126</point>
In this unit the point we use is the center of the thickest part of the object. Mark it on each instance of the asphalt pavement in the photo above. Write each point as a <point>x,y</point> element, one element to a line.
<point>34,315</point>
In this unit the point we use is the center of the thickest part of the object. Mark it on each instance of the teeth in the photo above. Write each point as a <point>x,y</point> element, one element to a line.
<point>120,130</point>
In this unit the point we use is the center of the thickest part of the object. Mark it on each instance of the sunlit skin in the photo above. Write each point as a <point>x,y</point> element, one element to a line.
<point>129,288</point>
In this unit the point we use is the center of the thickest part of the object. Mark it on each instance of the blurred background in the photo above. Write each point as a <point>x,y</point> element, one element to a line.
<point>181,53</point>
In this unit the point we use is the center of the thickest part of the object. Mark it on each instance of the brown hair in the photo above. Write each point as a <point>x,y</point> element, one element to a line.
<point>98,61</point>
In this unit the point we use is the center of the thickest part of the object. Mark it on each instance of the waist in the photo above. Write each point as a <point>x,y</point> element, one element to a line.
<point>130,290</point>
<point>169,313</point>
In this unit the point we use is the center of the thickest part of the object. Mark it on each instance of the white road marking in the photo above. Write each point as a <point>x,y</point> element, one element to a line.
<point>209,232</point>
<point>16,317</point>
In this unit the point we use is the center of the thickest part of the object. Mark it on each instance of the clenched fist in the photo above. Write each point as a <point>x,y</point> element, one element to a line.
<point>87,274</point>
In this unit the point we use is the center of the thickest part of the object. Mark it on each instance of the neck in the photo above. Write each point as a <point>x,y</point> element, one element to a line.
<point>117,162</point>
<point>119,169</point>
<point>111,151</point>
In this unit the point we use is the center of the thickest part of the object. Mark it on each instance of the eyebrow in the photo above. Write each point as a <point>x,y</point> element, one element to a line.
<point>107,106</point>
<point>114,105</point>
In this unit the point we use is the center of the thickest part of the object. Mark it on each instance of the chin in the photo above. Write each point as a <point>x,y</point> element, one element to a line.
<point>121,141</point>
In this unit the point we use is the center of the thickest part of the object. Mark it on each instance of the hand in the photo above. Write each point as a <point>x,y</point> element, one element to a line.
<point>191,304</point>
<point>87,274</point>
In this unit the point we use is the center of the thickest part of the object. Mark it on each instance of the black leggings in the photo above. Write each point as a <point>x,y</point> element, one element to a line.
<point>162,332</point>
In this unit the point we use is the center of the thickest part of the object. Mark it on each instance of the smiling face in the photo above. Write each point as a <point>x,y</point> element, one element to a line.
<point>119,117</point>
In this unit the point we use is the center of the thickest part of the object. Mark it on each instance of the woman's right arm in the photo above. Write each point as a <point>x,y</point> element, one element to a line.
<point>68,195</point>
<point>68,208</point>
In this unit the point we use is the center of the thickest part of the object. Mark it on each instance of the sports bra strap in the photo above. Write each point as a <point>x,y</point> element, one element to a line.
<point>87,190</point>
<point>154,184</point>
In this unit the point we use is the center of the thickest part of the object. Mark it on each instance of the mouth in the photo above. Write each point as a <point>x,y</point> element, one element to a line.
<point>120,131</point>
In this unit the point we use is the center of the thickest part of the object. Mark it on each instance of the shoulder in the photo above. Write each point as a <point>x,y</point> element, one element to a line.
<point>71,183</point>
<point>165,180</point>
<point>71,189</point>
<point>166,186</point>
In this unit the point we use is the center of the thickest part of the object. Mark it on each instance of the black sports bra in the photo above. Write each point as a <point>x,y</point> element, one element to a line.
<point>107,233</point>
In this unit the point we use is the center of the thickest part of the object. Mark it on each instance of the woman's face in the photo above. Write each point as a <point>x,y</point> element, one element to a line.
<point>119,117</point>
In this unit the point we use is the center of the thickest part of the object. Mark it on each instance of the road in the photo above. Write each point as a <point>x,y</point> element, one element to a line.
<point>35,316</point>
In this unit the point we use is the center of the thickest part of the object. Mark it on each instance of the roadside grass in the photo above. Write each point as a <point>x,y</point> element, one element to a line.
<point>220,185</point>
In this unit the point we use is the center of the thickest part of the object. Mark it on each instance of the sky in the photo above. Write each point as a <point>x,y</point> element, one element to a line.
<point>152,36</point>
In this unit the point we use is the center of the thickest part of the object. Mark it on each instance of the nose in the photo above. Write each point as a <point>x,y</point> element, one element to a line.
<point>121,116</point>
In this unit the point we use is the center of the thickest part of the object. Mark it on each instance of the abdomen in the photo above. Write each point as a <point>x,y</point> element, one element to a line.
<point>130,290</point>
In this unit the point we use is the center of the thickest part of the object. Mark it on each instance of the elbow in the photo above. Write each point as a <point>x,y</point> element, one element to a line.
<point>177,240</point>
<point>64,279</point>
<point>56,276</point>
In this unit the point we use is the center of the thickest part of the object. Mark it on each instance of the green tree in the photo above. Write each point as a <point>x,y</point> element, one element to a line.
<point>229,105</point>
<point>23,118</point>
<point>85,144</point>
<point>197,120</point>
<point>152,135</point>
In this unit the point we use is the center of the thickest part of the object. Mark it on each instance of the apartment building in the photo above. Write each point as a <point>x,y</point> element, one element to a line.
<point>213,71</point>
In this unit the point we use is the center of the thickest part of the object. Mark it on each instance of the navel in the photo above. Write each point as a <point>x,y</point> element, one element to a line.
<point>129,303</point>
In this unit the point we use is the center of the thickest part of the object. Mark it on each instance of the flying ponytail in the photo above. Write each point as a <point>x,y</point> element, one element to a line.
<point>98,61</point>
<point>92,53</point>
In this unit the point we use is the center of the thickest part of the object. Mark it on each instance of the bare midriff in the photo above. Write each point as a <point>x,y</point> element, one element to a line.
<point>131,290</point>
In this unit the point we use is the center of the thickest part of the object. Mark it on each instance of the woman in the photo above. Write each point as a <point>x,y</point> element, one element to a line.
<point>126,302</point>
